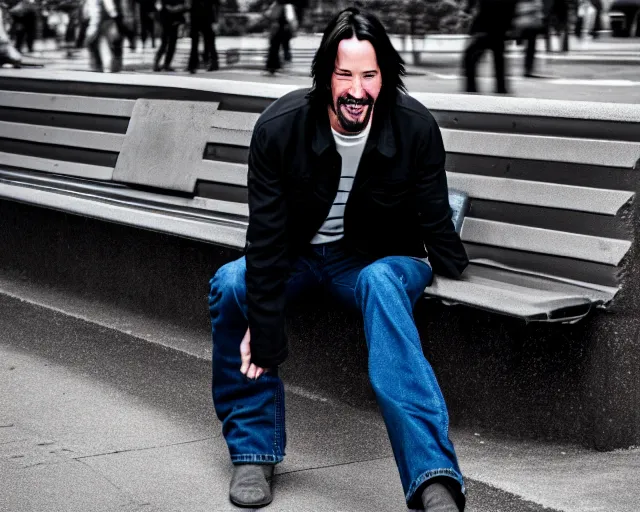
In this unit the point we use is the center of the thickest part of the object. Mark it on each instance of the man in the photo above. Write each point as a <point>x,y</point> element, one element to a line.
<point>147,13</point>
<point>543,14</point>
<point>347,189</point>
<point>25,23</point>
<point>284,24</point>
<point>102,20</point>
<point>489,30</point>
<point>8,54</point>
<point>203,14</point>
<point>172,17</point>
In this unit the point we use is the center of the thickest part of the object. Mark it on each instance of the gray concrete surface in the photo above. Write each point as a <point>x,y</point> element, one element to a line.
<point>92,418</point>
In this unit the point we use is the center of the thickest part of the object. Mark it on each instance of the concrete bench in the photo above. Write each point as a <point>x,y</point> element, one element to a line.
<point>549,233</point>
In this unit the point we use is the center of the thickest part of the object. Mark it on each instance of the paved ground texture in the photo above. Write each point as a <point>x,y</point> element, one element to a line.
<point>95,419</point>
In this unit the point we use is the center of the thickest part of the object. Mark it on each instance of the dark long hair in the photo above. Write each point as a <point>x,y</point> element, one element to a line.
<point>366,27</point>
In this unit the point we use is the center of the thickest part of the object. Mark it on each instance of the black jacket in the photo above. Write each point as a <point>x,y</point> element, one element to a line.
<point>398,204</point>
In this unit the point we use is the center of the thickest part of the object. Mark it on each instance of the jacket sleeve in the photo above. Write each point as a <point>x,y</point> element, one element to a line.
<point>266,255</point>
<point>446,253</point>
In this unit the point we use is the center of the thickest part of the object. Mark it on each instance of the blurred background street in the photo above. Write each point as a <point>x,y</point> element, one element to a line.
<point>591,60</point>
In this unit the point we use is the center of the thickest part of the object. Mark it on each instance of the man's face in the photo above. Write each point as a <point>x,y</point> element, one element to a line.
<point>355,85</point>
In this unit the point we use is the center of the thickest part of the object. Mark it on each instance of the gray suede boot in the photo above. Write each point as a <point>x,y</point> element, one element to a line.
<point>437,498</point>
<point>251,485</point>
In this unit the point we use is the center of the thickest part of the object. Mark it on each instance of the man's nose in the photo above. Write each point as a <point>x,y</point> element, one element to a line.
<point>357,91</point>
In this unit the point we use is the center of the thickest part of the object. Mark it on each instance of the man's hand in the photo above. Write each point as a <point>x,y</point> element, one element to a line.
<point>248,368</point>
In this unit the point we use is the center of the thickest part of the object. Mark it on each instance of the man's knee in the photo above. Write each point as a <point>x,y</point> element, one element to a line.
<point>228,284</point>
<point>393,275</point>
<point>377,277</point>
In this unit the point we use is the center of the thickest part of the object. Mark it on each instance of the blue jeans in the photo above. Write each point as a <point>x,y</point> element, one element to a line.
<point>412,405</point>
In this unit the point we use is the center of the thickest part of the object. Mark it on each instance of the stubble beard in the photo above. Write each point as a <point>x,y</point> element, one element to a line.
<point>350,125</point>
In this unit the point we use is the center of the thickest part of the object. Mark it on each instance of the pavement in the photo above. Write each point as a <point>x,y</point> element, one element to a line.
<point>97,418</point>
<point>606,69</point>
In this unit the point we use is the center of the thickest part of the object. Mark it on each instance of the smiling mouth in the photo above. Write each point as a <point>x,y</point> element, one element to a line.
<point>354,110</point>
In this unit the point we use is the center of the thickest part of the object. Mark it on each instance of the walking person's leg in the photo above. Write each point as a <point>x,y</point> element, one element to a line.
<point>93,35</point>
<point>148,22</point>
<point>472,54</point>
<point>164,42</point>
<point>497,48</point>
<point>144,25</point>
<point>530,54</point>
<point>82,33</point>
<point>551,24</point>
<point>151,20</point>
<point>597,22</point>
<point>251,411</point>
<point>286,47</point>
<point>20,33</point>
<point>31,21</point>
<point>404,383</point>
<point>194,31</point>
<point>563,27</point>
<point>70,32</point>
<point>273,56</point>
<point>115,40</point>
<point>210,45</point>
<point>171,47</point>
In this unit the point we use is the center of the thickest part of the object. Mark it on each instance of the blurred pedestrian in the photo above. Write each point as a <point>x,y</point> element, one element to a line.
<point>24,14</point>
<point>128,23</point>
<point>300,7</point>
<point>102,22</point>
<point>559,22</point>
<point>83,25</point>
<point>171,16</point>
<point>203,14</point>
<point>8,53</point>
<point>62,17</point>
<point>531,20</point>
<point>597,22</point>
<point>73,8</point>
<point>283,25</point>
<point>147,13</point>
<point>291,27</point>
<point>489,31</point>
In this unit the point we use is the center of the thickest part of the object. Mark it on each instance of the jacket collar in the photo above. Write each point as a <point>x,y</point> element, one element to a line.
<point>381,136</point>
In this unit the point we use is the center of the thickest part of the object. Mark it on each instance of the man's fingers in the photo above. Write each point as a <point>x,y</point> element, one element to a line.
<point>245,352</point>
<point>245,364</point>
<point>247,368</point>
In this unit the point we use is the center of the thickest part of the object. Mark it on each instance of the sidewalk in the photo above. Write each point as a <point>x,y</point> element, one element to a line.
<point>304,46</point>
<point>95,419</point>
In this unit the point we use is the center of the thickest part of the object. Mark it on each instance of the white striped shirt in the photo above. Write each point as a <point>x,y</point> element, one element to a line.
<point>350,148</point>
